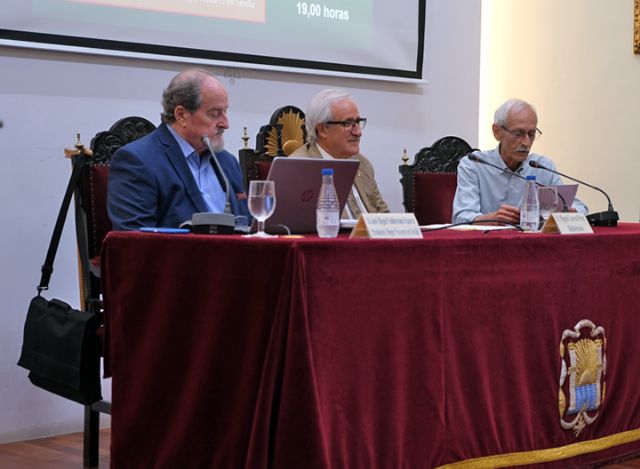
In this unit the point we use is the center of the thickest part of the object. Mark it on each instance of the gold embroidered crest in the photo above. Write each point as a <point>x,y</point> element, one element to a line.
<point>582,375</point>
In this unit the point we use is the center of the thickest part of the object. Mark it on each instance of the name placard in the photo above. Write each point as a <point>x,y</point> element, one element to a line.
<point>567,223</point>
<point>386,226</point>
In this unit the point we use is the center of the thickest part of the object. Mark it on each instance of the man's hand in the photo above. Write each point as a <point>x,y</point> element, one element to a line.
<point>506,213</point>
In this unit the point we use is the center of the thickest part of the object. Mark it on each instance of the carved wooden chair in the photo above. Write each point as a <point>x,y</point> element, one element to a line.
<point>429,184</point>
<point>284,134</point>
<point>92,225</point>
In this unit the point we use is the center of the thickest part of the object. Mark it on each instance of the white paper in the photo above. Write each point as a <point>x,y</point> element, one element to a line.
<point>467,227</point>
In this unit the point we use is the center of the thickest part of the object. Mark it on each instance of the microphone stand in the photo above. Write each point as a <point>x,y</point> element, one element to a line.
<point>227,206</point>
<point>607,218</point>
<point>477,159</point>
<point>215,223</point>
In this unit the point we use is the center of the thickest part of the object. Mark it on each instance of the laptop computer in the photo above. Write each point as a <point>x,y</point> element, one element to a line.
<point>297,184</point>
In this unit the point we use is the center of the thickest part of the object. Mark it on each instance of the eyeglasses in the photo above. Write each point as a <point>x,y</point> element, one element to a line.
<point>350,123</point>
<point>519,133</point>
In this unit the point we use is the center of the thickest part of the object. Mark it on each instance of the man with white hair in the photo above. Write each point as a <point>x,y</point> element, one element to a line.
<point>485,192</point>
<point>334,127</point>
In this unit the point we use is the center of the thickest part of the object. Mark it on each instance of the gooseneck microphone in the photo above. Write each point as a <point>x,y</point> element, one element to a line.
<point>210,222</point>
<point>607,218</point>
<point>227,186</point>
<point>477,159</point>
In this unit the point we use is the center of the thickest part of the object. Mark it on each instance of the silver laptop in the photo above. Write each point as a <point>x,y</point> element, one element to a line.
<point>297,184</point>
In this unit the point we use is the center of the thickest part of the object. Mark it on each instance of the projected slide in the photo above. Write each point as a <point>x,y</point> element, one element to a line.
<point>247,10</point>
<point>370,37</point>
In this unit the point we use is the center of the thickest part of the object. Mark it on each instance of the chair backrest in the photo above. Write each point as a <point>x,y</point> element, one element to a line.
<point>429,184</point>
<point>92,225</point>
<point>91,199</point>
<point>284,134</point>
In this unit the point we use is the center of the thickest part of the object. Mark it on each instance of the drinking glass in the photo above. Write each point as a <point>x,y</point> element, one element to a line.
<point>262,203</point>
<point>548,200</point>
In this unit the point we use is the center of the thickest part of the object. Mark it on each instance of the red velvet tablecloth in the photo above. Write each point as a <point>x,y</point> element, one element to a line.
<point>228,352</point>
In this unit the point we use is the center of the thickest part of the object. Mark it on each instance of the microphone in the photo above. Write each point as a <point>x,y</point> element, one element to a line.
<point>477,159</point>
<point>215,223</point>
<point>207,142</point>
<point>607,218</point>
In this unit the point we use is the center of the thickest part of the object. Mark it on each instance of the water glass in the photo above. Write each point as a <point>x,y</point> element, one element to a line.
<point>548,201</point>
<point>262,203</point>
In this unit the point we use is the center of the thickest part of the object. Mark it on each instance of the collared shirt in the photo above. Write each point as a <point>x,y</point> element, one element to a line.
<point>201,168</point>
<point>483,189</point>
<point>354,192</point>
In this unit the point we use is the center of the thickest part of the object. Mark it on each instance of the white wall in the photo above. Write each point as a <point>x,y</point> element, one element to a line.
<point>46,97</point>
<point>574,61</point>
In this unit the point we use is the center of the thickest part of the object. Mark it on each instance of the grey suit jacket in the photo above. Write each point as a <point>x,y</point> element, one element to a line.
<point>365,182</point>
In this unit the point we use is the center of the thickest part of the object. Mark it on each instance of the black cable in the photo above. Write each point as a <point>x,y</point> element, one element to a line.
<point>474,222</point>
<point>272,229</point>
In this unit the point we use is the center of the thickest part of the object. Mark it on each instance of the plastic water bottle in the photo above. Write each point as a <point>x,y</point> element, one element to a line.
<point>327,212</point>
<point>530,209</point>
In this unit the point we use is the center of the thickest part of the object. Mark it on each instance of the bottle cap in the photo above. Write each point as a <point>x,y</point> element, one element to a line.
<point>531,178</point>
<point>327,171</point>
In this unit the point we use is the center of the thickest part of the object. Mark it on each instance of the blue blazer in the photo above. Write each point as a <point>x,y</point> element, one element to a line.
<point>150,184</point>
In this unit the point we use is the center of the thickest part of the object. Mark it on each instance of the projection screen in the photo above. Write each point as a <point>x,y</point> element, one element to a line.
<point>370,38</point>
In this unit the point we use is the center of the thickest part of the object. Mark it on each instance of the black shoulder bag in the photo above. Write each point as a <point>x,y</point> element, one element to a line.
<point>60,345</point>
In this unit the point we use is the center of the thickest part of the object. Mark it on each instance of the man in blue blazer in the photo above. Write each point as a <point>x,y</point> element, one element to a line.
<point>162,179</point>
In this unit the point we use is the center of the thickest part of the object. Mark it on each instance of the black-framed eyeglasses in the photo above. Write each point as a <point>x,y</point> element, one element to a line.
<point>519,133</point>
<point>350,123</point>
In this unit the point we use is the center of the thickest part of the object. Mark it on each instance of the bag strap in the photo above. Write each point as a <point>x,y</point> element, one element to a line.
<point>47,269</point>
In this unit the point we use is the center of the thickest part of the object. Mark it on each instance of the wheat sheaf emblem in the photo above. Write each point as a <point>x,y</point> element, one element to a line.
<point>582,376</point>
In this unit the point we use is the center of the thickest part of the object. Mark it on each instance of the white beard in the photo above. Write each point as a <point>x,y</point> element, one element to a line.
<point>218,145</point>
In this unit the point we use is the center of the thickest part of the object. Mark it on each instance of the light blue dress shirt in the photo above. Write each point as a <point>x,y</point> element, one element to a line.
<point>205,176</point>
<point>483,189</point>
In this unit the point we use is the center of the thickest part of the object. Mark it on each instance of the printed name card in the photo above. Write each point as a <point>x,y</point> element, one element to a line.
<point>386,226</point>
<point>567,223</point>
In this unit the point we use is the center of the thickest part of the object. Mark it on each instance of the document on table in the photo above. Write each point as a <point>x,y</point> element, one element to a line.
<point>466,227</point>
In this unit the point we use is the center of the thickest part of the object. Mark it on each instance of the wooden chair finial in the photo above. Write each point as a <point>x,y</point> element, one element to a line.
<point>405,157</point>
<point>79,149</point>
<point>245,138</point>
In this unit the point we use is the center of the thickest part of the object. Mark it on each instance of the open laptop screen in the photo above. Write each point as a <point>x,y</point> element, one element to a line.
<point>297,184</point>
